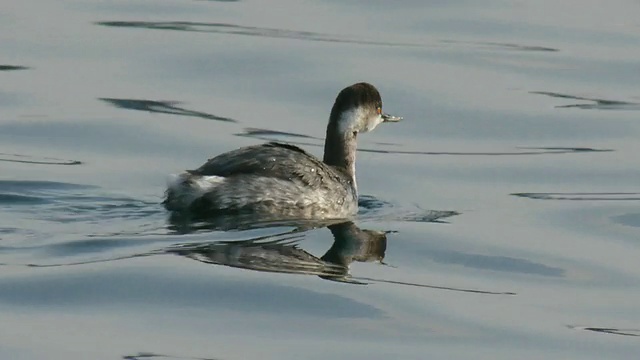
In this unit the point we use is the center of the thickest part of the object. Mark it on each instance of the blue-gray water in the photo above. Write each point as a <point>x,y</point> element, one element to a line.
<point>509,196</point>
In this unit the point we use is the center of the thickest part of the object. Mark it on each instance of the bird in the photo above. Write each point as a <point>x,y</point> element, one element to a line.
<point>282,181</point>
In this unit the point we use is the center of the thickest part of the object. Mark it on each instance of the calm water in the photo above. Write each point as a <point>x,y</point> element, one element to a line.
<point>501,218</point>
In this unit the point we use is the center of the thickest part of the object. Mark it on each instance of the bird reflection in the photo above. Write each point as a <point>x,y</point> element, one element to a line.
<point>281,253</point>
<point>354,244</point>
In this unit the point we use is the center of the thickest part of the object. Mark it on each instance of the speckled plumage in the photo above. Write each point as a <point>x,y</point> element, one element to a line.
<point>272,178</point>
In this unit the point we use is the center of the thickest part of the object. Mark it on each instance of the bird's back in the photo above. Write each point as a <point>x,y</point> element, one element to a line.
<point>272,159</point>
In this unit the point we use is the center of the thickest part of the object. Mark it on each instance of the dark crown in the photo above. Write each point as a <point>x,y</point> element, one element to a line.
<point>360,94</point>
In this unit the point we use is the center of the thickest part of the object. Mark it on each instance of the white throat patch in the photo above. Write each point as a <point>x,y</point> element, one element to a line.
<point>356,119</point>
<point>349,120</point>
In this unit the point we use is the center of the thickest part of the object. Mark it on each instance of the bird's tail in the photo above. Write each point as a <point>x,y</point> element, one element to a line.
<point>183,189</point>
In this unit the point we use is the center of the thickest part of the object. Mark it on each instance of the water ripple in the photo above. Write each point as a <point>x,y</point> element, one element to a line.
<point>162,107</point>
<point>226,28</point>
<point>87,207</point>
<point>234,29</point>
<point>607,330</point>
<point>32,185</point>
<point>266,133</point>
<point>598,104</point>
<point>606,196</point>
<point>505,46</point>
<point>270,135</point>
<point>21,199</point>
<point>154,356</point>
<point>12,67</point>
<point>28,159</point>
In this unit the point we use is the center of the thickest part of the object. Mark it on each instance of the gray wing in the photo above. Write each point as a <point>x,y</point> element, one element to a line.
<point>271,159</point>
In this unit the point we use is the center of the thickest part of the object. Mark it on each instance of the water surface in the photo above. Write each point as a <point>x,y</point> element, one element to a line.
<point>500,219</point>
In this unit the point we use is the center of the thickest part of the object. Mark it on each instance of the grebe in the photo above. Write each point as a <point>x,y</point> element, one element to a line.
<point>282,180</point>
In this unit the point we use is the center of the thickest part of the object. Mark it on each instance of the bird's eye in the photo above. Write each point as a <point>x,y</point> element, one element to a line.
<point>379,110</point>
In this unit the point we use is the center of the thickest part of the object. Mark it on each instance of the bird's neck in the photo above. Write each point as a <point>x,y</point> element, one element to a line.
<point>340,150</point>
